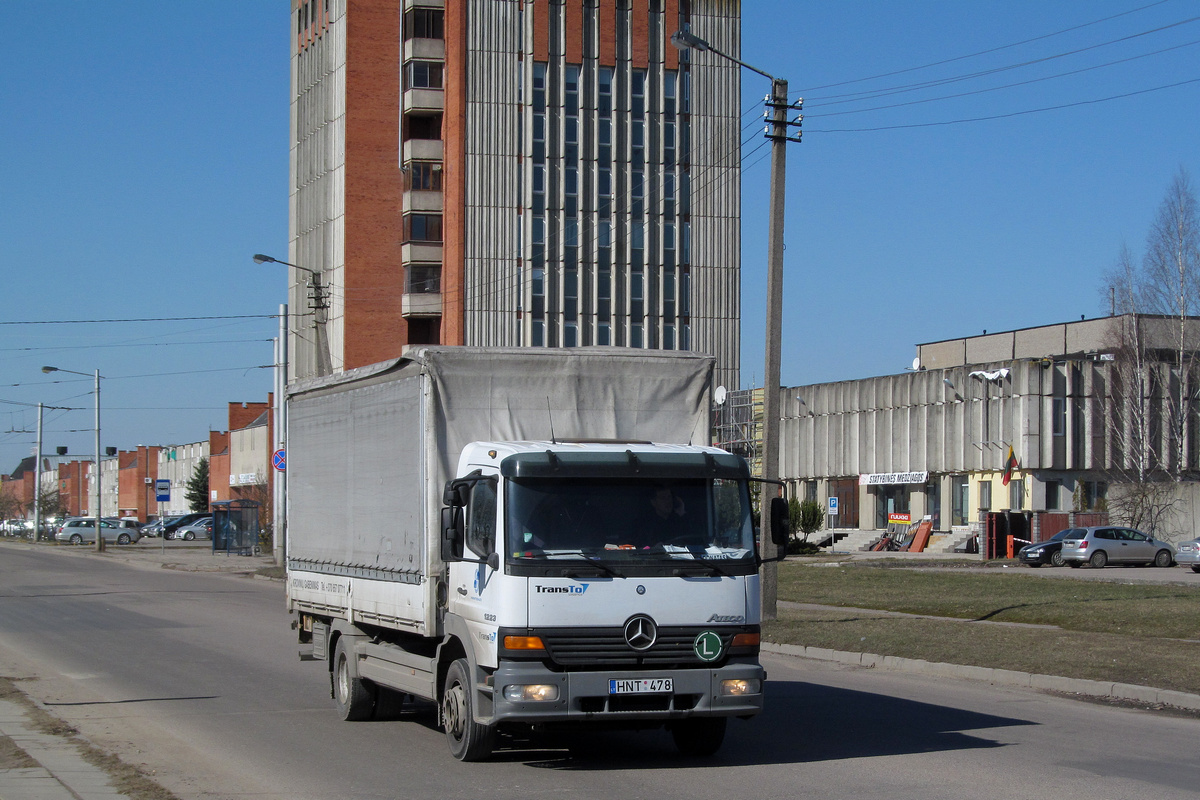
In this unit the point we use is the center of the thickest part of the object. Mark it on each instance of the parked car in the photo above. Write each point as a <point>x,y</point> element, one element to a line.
<point>82,530</point>
<point>1115,545</point>
<point>1047,552</point>
<point>175,523</point>
<point>200,529</point>
<point>1188,554</point>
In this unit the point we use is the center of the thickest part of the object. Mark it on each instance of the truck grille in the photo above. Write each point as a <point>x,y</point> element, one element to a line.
<point>606,647</point>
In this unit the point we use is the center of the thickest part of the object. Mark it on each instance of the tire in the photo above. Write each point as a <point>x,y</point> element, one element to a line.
<point>76,538</point>
<point>189,536</point>
<point>468,740</point>
<point>699,737</point>
<point>123,539</point>
<point>354,697</point>
<point>1162,558</point>
<point>1056,559</point>
<point>1098,559</point>
<point>1196,568</point>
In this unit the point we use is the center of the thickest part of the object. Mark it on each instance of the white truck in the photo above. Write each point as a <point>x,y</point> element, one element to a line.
<point>528,538</point>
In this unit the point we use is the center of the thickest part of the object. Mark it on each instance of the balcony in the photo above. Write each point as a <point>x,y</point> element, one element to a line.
<point>421,305</point>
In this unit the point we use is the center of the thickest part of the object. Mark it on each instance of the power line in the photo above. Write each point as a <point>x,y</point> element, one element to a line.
<point>981,52</point>
<point>139,344</point>
<point>139,319</point>
<point>1005,116</point>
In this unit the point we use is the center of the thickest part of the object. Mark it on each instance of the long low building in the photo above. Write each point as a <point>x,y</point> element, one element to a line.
<point>1061,399</point>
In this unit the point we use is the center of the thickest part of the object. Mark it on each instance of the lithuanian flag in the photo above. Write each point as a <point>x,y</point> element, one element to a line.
<point>1009,466</point>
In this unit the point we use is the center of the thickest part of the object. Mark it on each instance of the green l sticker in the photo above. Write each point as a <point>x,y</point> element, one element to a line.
<point>707,646</point>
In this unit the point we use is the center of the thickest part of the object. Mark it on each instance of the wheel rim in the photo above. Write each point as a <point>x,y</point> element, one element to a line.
<point>453,710</point>
<point>343,680</point>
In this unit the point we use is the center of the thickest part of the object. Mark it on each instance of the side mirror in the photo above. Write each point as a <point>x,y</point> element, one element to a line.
<point>780,530</point>
<point>452,533</point>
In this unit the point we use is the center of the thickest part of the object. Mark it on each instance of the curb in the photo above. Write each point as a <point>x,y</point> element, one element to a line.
<point>1003,677</point>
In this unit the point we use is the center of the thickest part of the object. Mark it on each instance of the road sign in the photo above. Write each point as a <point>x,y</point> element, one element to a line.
<point>279,460</point>
<point>162,491</point>
<point>833,506</point>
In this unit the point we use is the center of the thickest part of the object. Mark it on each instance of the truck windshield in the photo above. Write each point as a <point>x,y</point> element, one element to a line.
<point>619,520</point>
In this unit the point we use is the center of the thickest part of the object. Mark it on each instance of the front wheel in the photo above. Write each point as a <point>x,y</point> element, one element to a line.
<point>123,539</point>
<point>1098,559</point>
<point>699,737</point>
<point>468,740</point>
<point>189,536</point>
<point>1056,559</point>
<point>1162,558</point>
<point>355,699</point>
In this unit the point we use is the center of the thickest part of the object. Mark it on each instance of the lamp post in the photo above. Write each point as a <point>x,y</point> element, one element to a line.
<point>318,305</point>
<point>96,499</point>
<point>777,132</point>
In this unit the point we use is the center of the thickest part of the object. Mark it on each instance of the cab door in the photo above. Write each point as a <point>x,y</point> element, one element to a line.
<point>473,586</point>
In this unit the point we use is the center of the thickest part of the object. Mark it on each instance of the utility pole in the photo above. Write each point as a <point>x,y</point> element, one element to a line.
<point>778,126</point>
<point>37,480</point>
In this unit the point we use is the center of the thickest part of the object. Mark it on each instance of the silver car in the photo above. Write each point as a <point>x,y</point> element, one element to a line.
<point>80,530</point>
<point>1112,544</point>
<point>1187,554</point>
<point>200,529</point>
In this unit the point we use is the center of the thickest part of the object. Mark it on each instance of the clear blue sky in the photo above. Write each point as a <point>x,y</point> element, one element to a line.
<point>146,161</point>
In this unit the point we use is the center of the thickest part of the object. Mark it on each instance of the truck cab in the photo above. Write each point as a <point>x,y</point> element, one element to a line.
<point>596,582</point>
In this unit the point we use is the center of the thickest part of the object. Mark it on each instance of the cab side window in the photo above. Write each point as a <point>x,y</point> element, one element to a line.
<point>481,518</point>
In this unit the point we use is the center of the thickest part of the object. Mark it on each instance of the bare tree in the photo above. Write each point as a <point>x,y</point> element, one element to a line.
<point>1170,286</point>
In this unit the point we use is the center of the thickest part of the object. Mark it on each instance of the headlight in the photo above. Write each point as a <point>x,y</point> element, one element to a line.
<point>739,686</point>
<point>535,692</point>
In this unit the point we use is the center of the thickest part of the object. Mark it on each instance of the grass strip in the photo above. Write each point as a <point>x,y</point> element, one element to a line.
<point>1140,634</point>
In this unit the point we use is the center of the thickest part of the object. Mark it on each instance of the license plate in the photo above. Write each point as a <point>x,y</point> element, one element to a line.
<point>641,686</point>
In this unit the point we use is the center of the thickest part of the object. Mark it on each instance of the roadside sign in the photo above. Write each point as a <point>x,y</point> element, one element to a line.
<point>833,506</point>
<point>279,460</point>
<point>162,490</point>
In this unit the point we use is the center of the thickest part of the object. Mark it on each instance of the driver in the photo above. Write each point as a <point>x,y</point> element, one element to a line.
<point>663,519</point>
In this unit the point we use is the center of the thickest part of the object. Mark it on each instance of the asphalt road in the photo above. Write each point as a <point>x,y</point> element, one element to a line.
<point>195,677</point>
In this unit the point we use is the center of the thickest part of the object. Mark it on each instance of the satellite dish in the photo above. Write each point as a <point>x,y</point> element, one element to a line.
<point>719,395</point>
<point>916,363</point>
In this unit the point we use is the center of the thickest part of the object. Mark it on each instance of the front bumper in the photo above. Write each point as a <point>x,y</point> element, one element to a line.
<point>583,696</point>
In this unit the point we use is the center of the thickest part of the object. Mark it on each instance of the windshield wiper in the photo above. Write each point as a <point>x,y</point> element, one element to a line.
<point>704,565</point>
<point>598,564</point>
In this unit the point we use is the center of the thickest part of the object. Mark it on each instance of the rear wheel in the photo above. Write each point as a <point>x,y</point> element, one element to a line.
<point>1056,558</point>
<point>355,698</point>
<point>699,737</point>
<point>76,538</point>
<point>1162,558</point>
<point>468,740</point>
<point>1098,559</point>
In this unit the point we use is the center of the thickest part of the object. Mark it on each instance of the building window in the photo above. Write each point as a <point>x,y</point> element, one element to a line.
<point>423,279</point>
<point>423,176</point>
<point>985,496</point>
<point>422,227</point>
<point>422,126</point>
<point>1016,495</point>
<point>1053,488</point>
<point>422,75</point>
<point>810,491</point>
<point>1058,416</point>
<point>424,23</point>
<point>891,503</point>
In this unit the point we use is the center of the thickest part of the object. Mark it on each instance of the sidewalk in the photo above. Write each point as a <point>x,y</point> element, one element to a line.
<point>42,766</point>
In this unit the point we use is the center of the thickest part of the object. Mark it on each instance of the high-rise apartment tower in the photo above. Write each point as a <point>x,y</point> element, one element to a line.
<point>512,173</point>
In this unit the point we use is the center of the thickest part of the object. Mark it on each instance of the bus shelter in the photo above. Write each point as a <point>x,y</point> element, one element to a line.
<point>235,527</point>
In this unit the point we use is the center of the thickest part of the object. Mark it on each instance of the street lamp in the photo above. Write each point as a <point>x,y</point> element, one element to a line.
<point>777,132</point>
<point>98,513</point>
<point>318,305</point>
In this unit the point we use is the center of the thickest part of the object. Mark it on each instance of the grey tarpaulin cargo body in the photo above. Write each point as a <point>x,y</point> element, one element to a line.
<point>370,449</point>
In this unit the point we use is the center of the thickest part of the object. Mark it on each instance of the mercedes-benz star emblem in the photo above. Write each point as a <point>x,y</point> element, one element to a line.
<point>641,633</point>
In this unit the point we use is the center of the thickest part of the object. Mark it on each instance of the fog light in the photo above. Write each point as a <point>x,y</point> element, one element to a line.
<point>536,692</point>
<point>738,686</point>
